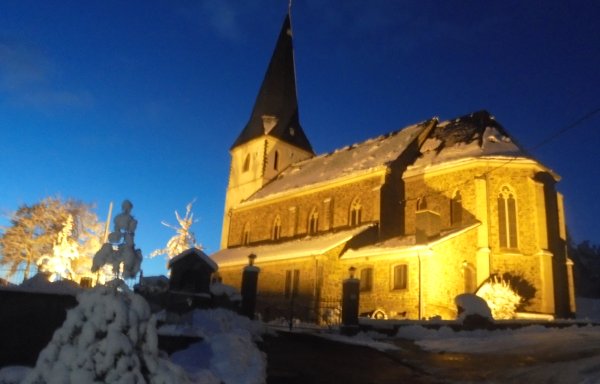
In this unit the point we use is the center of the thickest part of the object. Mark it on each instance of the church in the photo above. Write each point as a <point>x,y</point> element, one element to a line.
<point>419,215</point>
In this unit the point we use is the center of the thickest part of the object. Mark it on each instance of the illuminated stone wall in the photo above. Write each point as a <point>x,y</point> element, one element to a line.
<point>532,257</point>
<point>320,285</point>
<point>332,203</point>
<point>437,270</point>
<point>402,303</point>
<point>244,182</point>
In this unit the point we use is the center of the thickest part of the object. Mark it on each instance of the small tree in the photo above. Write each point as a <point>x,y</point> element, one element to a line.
<point>500,297</point>
<point>34,233</point>
<point>184,239</point>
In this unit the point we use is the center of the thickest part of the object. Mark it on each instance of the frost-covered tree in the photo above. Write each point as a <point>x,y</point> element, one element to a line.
<point>34,231</point>
<point>184,238</point>
<point>64,252</point>
<point>500,297</point>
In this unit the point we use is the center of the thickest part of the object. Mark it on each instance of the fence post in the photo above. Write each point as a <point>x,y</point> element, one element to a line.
<point>249,287</point>
<point>350,301</point>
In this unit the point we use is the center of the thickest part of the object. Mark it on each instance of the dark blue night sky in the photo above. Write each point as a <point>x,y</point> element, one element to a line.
<point>108,100</point>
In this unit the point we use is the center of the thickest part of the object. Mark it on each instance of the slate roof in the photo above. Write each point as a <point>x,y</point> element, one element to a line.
<point>303,247</point>
<point>405,243</point>
<point>277,97</point>
<point>475,135</point>
<point>350,160</point>
<point>193,252</point>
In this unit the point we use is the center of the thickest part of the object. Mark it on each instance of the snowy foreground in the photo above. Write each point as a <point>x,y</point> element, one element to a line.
<point>111,337</point>
<point>561,355</point>
<point>545,355</point>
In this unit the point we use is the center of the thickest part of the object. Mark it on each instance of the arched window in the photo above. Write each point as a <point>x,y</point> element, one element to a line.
<point>313,222</point>
<point>246,235</point>
<point>355,213</point>
<point>507,218</point>
<point>456,209</point>
<point>421,204</point>
<point>276,234</point>
<point>246,163</point>
<point>276,160</point>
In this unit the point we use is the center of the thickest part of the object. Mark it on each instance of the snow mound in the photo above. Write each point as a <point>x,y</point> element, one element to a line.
<point>109,337</point>
<point>227,354</point>
<point>471,304</point>
<point>13,374</point>
<point>220,289</point>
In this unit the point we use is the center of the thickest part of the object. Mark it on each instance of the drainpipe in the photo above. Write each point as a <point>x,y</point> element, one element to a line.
<point>420,286</point>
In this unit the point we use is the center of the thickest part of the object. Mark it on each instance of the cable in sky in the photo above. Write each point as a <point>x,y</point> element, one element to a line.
<point>567,128</point>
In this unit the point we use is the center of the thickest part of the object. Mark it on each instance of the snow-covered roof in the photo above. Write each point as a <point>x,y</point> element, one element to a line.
<point>404,244</point>
<point>474,135</point>
<point>308,246</point>
<point>350,160</point>
<point>40,284</point>
<point>198,253</point>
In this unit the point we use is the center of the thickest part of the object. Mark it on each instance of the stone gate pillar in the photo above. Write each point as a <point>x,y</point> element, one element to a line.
<point>249,288</point>
<point>350,301</point>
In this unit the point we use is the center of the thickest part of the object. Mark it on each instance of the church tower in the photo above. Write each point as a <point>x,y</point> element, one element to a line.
<point>273,138</point>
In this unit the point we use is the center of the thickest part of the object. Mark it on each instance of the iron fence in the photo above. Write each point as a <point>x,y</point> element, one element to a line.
<point>301,309</point>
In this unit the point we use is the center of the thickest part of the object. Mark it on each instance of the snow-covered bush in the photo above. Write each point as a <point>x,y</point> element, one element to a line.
<point>469,304</point>
<point>110,337</point>
<point>500,297</point>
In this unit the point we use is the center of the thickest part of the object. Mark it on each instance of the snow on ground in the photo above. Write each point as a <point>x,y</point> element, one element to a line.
<point>13,375</point>
<point>111,337</point>
<point>228,352</point>
<point>558,355</point>
<point>565,355</point>
<point>535,339</point>
<point>365,339</point>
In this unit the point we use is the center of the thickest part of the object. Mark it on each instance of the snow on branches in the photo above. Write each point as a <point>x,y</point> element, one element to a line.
<point>184,238</point>
<point>110,337</point>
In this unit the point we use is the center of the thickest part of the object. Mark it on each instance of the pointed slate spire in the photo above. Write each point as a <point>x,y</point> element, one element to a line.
<point>275,110</point>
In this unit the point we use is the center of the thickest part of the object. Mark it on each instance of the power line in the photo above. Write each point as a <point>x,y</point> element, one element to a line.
<point>543,142</point>
<point>567,128</point>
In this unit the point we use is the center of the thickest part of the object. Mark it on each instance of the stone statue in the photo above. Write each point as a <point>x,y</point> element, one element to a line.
<point>120,248</point>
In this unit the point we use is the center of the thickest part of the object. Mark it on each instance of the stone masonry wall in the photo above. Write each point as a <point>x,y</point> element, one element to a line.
<point>444,274</point>
<point>402,303</point>
<point>333,205</point>
<point>438,190</point>
<point>320,280</point>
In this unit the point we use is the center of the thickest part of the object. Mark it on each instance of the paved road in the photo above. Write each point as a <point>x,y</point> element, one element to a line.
<point>304,358</point>
<point>307,358</point>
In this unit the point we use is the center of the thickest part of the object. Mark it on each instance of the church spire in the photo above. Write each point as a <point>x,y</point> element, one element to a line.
<point>275,111</point>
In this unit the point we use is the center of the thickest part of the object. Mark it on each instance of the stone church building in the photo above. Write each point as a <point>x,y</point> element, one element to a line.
<point>423,214</point>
